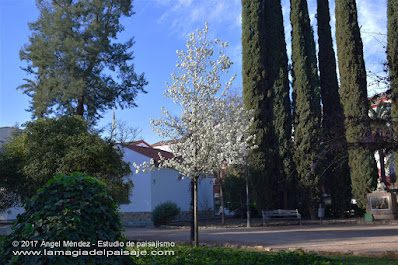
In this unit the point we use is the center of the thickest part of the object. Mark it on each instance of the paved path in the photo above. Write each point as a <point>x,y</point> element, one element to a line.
<point>351,239</point>
<point>346,238</point>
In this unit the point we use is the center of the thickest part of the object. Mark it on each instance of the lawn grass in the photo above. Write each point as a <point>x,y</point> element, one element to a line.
<point>230,256</point>
<point>362,260</point>
<point>218,255</point>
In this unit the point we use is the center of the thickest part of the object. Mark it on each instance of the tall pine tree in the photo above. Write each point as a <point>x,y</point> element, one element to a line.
<point>392,57</point>
<point>257,95</point>
<point>74,59</point>
<point>277,68</point>
<point>307,123</point>
<point>353,93</point>
<point>337,180</point>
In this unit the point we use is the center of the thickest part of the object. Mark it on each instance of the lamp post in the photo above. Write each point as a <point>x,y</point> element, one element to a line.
<point>247,189</point>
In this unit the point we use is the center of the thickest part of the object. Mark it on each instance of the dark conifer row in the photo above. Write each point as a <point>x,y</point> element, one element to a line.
<point>392,57</point>
<point>337,180</point>
<point>278,82</point>
<point>257,95</point>
<point>353,92</point>
<point>307,123</point>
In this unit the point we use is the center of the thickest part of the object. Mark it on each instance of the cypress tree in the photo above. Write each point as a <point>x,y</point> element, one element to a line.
<point>307,129</point>
<point>353,93</point>
<point>338,182</point>
<point>277,67</point>
<point>257,96</point>
<point>392,57</point>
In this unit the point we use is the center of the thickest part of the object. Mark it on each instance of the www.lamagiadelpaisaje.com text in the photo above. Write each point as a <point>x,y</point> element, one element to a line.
<point>86,248</point>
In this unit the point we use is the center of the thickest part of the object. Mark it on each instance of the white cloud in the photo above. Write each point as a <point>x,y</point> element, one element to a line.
<point>185,16</point>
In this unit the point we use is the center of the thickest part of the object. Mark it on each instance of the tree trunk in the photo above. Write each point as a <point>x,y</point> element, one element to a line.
<point>222,200</point>
<point>80,106</point>
<point>382,166</point>
<point>192,213</point>
<point>222,205</point>
<point>312,213</point>
<point>195,211</point>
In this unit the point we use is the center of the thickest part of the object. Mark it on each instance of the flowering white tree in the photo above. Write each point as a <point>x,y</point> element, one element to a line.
<point>212,128</point>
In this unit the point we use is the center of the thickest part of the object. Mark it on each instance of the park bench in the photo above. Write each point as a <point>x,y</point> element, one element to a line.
<point>280,215</point>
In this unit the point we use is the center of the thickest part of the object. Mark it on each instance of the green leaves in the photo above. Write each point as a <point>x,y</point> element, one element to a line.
<point>71,53</point>
<point>164,213</point>
<point>353,92</point>
<point>307,108</point>
<point>214,255</point>
<point>65,145</point>
<point>91,216</point>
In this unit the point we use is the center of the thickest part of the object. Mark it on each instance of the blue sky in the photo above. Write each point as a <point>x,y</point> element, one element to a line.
<point>161,27</point>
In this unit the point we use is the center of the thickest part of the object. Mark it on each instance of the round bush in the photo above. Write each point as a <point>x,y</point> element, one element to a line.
<point>74,208</point>
<point>164,213</point>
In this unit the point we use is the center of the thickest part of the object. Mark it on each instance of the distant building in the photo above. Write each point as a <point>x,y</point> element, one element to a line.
<point>6,133</point>
<point>158,186</point>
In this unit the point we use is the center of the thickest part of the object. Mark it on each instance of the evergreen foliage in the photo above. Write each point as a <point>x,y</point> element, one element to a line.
<point>307,123</point>
<point>234,185</point>
<point>63,145</point>
<point>74,208</point>
<point>381,133</point>
<point>73,57</point>
<point>337,180</point>
<point>164,213</point>
<point>12,181</point>
<point>257,95</point>
<point>353,93</point>
<point>233,256</point>
<point>392,57</point>
<point>277,81</point>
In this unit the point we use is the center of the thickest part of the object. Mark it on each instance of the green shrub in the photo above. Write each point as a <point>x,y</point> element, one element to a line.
<point>68,208</point>
<point>228,256</point>
<point>164,213</point>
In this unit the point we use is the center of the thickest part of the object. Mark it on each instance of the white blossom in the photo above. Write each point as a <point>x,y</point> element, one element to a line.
<point>213,127</point>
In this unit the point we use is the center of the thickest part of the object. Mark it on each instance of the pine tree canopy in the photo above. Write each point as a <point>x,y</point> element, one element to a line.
<point>78,67</point>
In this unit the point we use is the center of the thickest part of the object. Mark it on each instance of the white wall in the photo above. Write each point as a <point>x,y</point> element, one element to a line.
<point>152,188</point>
<point>206,194</point>
<point>165,147</point>
<point>140,200</point>
<point>167,187</point>
<point>11,213</point>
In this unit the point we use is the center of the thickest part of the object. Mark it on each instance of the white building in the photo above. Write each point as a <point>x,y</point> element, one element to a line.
<point>155,187</point>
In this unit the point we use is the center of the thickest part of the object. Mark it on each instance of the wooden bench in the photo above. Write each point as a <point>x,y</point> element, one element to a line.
<point>280,215</point>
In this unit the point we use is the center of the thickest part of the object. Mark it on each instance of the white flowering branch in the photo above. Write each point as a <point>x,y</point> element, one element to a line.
<point>213,126</point>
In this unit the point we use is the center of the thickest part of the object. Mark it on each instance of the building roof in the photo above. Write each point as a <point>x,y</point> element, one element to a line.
<point>140,143</point>
<point>149,152</point>
<point>167,142</point>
